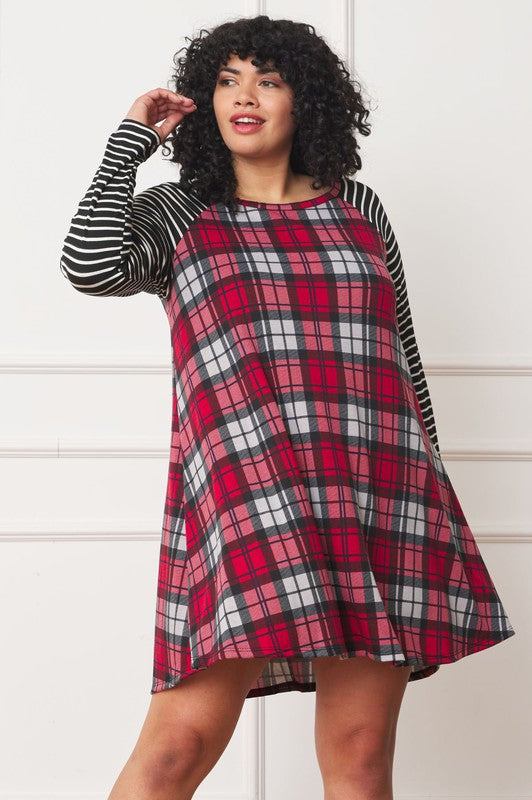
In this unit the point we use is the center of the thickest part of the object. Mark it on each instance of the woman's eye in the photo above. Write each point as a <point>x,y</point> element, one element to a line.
<point>223,81</point>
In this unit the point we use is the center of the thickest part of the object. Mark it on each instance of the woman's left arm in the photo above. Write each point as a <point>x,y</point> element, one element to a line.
<point>394,265</point>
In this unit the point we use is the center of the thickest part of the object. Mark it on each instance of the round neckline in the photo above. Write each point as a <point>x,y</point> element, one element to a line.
<point>312,201</point>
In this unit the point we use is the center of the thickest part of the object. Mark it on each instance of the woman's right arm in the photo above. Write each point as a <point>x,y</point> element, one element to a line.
<point>117,243</point>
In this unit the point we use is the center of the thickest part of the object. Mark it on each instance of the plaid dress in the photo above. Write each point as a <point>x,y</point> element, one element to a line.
<point>308,511</point>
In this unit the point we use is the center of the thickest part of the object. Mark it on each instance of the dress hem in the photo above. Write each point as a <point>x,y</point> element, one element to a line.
<point>428,667</point>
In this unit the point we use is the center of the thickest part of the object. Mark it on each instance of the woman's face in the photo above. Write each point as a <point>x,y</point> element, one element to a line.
<point>242,89</point>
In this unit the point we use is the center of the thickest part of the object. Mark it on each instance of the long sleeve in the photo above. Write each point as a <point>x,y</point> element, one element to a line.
<point>118,243</point>
<point>407,335</point>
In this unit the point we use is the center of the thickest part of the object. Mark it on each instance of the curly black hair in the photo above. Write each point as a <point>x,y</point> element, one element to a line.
<point>327,106</point>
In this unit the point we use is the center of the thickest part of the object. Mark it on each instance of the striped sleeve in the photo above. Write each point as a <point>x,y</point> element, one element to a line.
<point>118,244</point>
<point>374,210</point>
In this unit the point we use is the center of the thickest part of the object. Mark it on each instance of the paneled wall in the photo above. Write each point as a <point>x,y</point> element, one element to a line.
<point>85,386</point>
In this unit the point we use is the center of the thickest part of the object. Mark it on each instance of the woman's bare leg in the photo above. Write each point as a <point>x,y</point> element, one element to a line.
<point>186,730</point>
<point>357,707</point>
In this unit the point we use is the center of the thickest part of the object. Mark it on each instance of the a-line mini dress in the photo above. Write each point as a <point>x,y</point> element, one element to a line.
<point>308,512</point>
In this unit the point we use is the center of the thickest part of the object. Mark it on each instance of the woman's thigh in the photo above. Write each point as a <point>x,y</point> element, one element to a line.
<point>357,706</point>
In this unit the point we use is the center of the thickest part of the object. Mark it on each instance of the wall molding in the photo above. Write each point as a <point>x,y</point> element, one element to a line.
<point>349,32</point>
<point>39,446</point>
<point>93,530</point>
<point>120,364</point>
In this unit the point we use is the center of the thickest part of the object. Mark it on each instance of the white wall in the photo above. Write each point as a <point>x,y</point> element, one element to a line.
<point>85,386</point>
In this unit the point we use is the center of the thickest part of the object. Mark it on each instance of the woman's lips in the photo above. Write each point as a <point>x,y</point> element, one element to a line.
<point>246,127</point>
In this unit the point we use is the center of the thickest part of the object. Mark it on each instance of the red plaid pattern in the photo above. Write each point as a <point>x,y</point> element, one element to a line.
<point>308,512</point>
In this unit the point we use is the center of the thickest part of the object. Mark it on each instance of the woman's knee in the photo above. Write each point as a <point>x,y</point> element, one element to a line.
<point>189,725</point>
<point>361,755</point>
<point>169,761</point>
<point>357,706</point>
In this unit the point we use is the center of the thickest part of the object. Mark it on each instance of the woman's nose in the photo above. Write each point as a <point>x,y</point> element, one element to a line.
<point>245,96</point>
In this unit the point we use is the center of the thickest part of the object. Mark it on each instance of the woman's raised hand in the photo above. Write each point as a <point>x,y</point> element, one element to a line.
<point>161,104</point>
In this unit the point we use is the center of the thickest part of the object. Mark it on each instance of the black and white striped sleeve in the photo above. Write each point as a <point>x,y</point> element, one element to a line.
<point>118,243</point>
<point>405,323</point>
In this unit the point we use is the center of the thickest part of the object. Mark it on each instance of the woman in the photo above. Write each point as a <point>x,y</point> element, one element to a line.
<point>312,539</point>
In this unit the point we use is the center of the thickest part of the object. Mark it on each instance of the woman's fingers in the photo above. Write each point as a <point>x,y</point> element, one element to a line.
<point>161,104</point>
<point>166,128</point>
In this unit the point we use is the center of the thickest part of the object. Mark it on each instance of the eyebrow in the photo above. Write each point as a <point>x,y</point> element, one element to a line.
<point>260,70</point>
